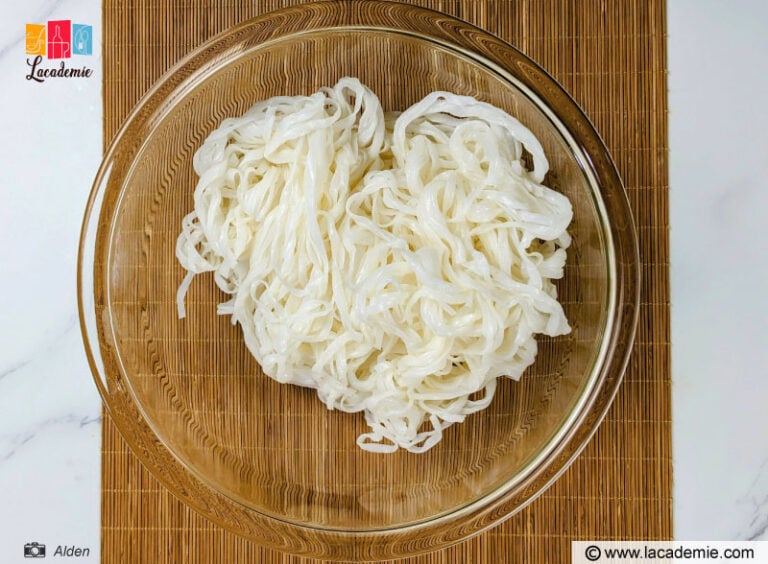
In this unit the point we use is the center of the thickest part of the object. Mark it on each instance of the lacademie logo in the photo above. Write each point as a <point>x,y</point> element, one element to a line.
<point>59,39</point>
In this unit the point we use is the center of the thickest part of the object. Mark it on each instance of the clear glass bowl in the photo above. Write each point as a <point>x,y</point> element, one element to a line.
<point>269,461</point>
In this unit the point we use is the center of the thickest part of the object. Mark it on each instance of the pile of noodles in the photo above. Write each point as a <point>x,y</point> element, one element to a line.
<point>396,263</point>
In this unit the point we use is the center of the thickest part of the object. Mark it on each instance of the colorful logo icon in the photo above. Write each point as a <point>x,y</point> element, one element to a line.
<point>35,39</point>
<point>59,39</point>
<point>82,39</point>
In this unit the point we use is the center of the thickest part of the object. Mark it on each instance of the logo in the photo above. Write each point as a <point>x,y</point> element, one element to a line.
<point>57,40</point>
<point>34,550</point>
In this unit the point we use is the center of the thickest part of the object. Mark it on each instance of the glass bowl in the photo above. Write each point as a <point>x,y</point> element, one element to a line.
<point>269,461</point>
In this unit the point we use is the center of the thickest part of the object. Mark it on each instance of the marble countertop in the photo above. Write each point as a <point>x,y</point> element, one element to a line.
<point>718,139</point>
<point>51,141</point>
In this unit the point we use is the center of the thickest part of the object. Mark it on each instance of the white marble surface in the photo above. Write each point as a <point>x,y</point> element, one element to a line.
<point>50,140</point>
<point>718,136</point>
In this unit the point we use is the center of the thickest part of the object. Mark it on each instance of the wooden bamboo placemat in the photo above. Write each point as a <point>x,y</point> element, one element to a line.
<point>611,56</point>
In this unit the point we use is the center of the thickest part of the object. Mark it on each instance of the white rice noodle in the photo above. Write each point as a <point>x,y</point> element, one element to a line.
<point>398,264</point>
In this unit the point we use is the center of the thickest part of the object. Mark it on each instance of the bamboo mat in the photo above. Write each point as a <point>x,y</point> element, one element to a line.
<point>611,56</point>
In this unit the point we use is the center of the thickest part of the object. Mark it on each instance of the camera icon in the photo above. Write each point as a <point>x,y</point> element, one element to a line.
<point>34,550</point>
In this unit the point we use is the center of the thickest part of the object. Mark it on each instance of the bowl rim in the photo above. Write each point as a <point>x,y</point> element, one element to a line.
<point>506,61</point>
